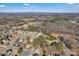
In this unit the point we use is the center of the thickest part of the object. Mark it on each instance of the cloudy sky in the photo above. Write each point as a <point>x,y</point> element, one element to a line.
<point>39,7</point>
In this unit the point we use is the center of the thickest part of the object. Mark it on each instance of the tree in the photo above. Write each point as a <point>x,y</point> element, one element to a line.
<point>77,51</point>
<point>20,50</point>
<point>40,42</point>
<point>58,46</point>
<point>35,54</point>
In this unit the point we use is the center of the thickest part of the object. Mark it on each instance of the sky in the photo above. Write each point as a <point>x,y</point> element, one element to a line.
<point>39,7</point>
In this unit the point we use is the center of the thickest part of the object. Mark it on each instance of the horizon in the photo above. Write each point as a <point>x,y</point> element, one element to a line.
<point>39,8</point>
